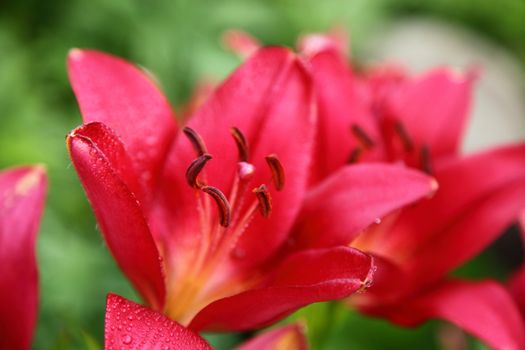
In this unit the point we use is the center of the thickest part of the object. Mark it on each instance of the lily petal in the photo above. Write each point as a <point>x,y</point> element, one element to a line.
<point>269,99</point>
<point>289,337</point>
<point>434,109</point>
<point>479,197</point>
<point>517,288</point>
<point>303,278</point>
<point>340,107</point>
<point>102,167</point>
<point>118,94</point>
<point>132,326</point>
<point>340,207</point>
<point>484,309</point>
<point>22,192</point>
<point>240,42</point>
<point>336,39</point>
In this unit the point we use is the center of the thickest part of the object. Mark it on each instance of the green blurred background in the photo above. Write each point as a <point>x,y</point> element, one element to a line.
<point>179,42</point>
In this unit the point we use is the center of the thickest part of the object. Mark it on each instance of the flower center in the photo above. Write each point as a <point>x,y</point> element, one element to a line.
<point>200,282</point>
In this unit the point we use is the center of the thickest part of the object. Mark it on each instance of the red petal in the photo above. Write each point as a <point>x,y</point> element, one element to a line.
<point>479,196</point>
<point>103,170</point>
<point>289,337</point>
<point>22,192</point>
<point>340,106</point>
<point>118,94</point>
<point>131,326</point>
<point>434,109</point>
<point>336,39</point>
<point>269,99</point>
<point>240,42</point>
<point>517,288</point>
<point>484,309</point>
<point>303,278</point>
<point>340,207</point>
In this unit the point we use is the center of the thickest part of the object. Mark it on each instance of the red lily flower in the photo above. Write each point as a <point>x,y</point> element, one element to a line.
<point>22,192</point>
<point>418,122</point>
<point>132,326</point>
<point>202,240</point>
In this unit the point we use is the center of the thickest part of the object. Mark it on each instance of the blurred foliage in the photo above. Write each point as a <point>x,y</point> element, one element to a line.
<point>179,42</point>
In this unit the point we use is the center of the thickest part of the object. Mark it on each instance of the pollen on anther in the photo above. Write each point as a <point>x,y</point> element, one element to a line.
<point>195,169</point>
<point>426,161</point>
<point>242,144</point>
<point>222,204</point>
<point>265,201</point>
<point>408,144</point>
<point>355,155</point>
<point>196,141</point>
<point>277,170</point>
<point>362,136</point>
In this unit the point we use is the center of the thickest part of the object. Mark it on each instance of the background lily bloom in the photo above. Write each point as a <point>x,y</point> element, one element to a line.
<point>202,239</point>
<point>22,192</point>
<point>418,121</point>
<point>132,326</point>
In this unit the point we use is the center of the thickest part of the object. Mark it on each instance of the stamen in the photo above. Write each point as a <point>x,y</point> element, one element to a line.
<point>362,136</point>
<point>265,201</point>
<point>222,204</point>
<point>277,171</point>
<point>355,155</point>
<point>426,161</point>
<point>196,141</point>
<point>195,169</point>
<point>242,144</point>
<point>404,136</point>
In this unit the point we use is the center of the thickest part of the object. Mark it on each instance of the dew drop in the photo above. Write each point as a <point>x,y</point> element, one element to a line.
<point>126,339</point>
<point>377,221</point>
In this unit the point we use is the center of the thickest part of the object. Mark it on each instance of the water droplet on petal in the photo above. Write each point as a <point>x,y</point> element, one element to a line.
<point>377,221</point>
<point>126,339</point>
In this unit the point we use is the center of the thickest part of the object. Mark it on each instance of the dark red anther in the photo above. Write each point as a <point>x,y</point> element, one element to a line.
<point>426,160</point>
<point>195,169</point>
<point>277,171</point>
<point>363,138</point>
<point>222,204</point>
<point>408,144</point>
<point>242,144</point>
<point>196,140</point>
<point>265,201</point>
<point>355,155</point>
